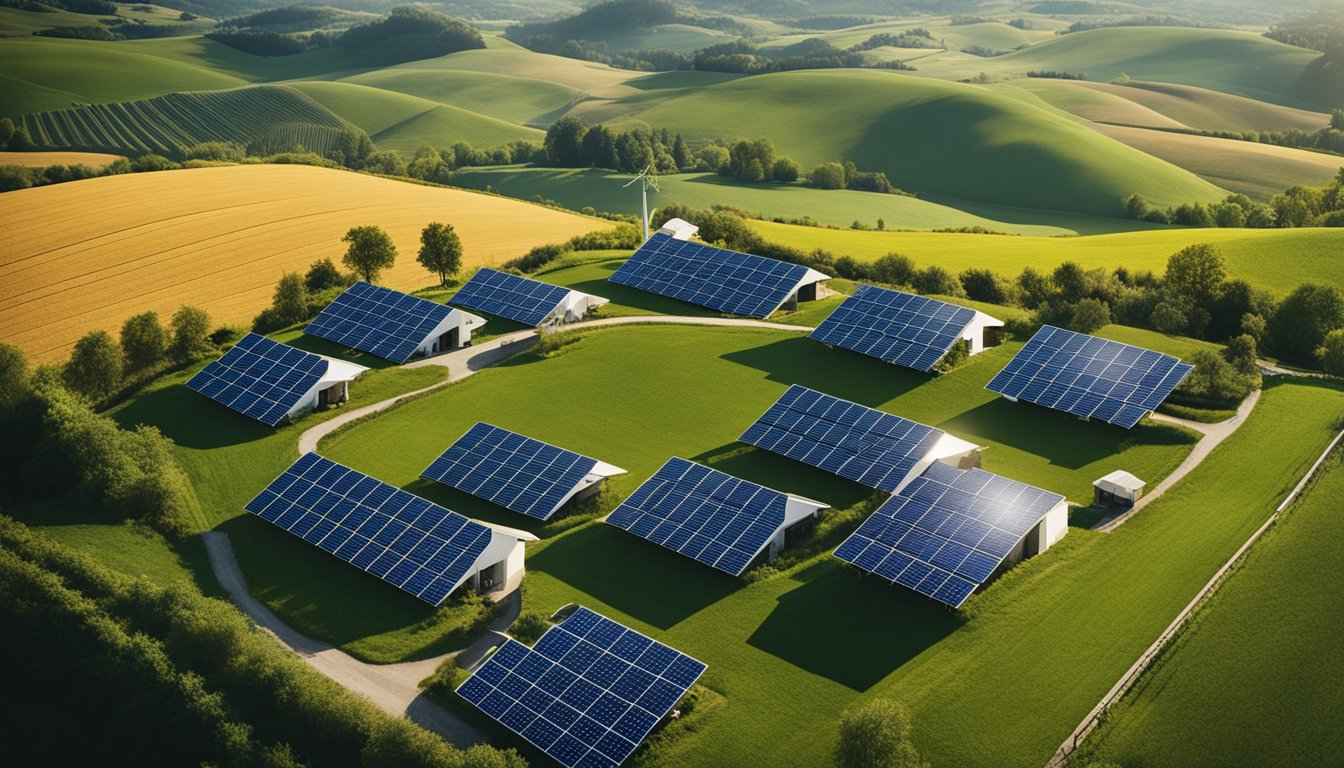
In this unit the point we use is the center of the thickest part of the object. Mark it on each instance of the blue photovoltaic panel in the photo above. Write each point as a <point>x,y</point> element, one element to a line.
<point>408,542</point>
<point>718,519</point>
<point>946,532</point>
<point>521,299</point>
<point>587,693</point>
<point>895,327</point>
<point>730,282</point>
<point>1089,377</point>
<point>513,471</point>
<point>380,321</point>
<point>260,378</point>
<point>865,445</point>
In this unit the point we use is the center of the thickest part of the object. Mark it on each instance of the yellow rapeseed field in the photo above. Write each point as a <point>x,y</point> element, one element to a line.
<point>86,255</point>
<point>43,159</point>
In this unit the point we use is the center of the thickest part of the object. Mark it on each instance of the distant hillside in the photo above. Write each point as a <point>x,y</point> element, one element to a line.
<point>617,17</point>
<point>935,138</point>
<point>407,33</point>
<point>272,118</point>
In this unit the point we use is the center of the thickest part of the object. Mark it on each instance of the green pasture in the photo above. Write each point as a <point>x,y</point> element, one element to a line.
<point>1276,259</point>
<point>520,100</point>
<point>936,139</point>
<point>1262,654</point>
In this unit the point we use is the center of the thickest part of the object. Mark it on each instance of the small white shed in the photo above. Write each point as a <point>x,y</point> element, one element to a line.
<point>332,389</point>
<point>1119,487</point>
<point>981,333</point>
<point>453,332</point>
<point>499,568</point>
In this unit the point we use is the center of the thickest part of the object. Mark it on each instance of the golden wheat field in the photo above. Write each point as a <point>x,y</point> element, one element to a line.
<point>43,159</point>
<point>86,255</point>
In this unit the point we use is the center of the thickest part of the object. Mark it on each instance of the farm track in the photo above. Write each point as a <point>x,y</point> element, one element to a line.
<point>177,234</point>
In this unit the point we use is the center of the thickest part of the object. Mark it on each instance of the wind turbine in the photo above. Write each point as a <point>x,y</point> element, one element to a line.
<point>646,180</point>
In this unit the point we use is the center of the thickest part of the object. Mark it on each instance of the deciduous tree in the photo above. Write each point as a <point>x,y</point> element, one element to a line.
<point>440,250</point>
<point>371,250</point>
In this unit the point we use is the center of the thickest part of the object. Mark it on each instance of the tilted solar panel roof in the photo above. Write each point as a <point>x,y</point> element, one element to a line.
<point>727,281</point>
<point>862,444</point>
<point>718,519</point>
<point>520,299</point>
<point>1090,377</point>
<point>260,378</point>
<point>378,320</point>
<point>587,693</point>
<point>894,326</point>
<point>947,531</point>
<point>412,544</point>
<point>511,470</point>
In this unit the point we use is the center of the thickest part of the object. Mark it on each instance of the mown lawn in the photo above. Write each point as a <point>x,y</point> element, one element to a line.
<point>1258,678</point>
<point>792,650</point>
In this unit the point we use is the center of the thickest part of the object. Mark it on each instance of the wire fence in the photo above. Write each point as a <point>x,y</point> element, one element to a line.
<point>1100,712</point>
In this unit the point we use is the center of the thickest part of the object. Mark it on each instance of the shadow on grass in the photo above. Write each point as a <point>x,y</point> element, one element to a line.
<point>838,372</point>
<point>851,629</point>
<point>634,576</point>
<point>783,474</point>
<point>1063,439</point>
<point>190,419</point>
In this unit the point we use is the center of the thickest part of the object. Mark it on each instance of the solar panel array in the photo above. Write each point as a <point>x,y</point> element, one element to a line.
<point>410,543</point>
<point>718,519</point>
<point>730,282</point>
<point>521,299</point>
<point>895,326</point>
<point>380,321</point>
<point>865,445</point>
<point>587,693</point>
<point>1090,377</point>
<point>516,472</point>
<point>946,532</point>
<point>260,378</point>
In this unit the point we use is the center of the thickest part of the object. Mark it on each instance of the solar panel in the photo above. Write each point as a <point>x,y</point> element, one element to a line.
<point>516,472</point>
<point>730,282</point>
<point>947,532</point>
<point>521,299</point>
<point>895,327</point>
<point>718,519</point>
<point>260,378</point>
<point>1090,377</point>
<point>867,446</point>
<point>410,543</point>
<point>587,693</point>
<point>380,321</point>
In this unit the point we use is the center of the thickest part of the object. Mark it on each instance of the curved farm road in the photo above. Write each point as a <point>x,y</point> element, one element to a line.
<point>395,687</point>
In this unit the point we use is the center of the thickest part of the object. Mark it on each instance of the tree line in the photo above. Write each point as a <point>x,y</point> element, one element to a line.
<point>166,676</point>
<point>406,33</point>
<point>1297,206</point>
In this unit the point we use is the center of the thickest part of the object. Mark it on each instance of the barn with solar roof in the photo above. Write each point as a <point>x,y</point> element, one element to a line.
<point>670,264</point>
<point>273,382</point>
<point>524,300</point>
<point>393,325</point>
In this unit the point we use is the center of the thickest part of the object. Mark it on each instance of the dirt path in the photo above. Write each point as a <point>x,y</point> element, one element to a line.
<point>1213,434</point>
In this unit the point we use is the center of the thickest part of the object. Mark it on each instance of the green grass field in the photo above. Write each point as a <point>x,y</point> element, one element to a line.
<point>521,100</point>
<point>933,138</point>
<point>604,191</point>
<point>278,116</point>
<point>1263,653</point>
<point>1239,63</point>
<point>1276,259</point>
<point>405,123</point>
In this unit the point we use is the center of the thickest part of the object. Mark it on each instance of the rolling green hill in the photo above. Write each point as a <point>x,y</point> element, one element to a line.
<point>521,100</point>
<point>1241,63</point>
<point>930,137</point>
<point>405,123</point>
<point>606,192</point>
<point>277,117</point>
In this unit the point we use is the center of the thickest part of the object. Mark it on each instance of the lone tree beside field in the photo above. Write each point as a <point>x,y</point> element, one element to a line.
<point>440,250</point>
<point>95,366</point>
<point>371,251</point>
<point>876,735</point>
<point>190,329</point>
<point>291,299</point>
<point>143,340</point>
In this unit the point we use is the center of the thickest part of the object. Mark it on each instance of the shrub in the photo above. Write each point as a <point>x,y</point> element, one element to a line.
<point>958,354</point>
<point>1089,315</point>
<point>529,627</point>
<point>894,269</point>
<point>1214,382</point>
<point>876,735</point>
<point>827,176</point>
<point>1302,320</point>
<point>933,279</point>
<point>785,170</point>
<point>986,285</point>
<point>322,275</point>
<point>1331,353</point>
<point>190,331</point>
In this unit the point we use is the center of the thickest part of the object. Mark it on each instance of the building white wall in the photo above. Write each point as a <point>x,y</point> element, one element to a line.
<point>506,545</point>
<point>339,372</point>
<point>975,331</point>
<point>796,510</point>
<point>465,322</point>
